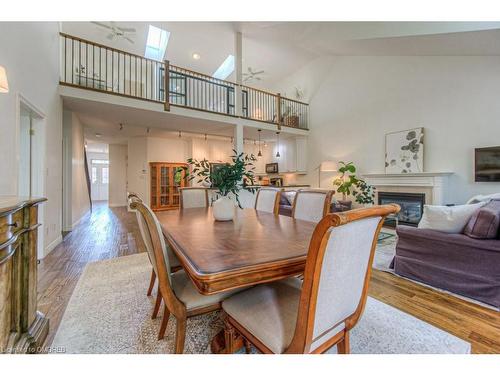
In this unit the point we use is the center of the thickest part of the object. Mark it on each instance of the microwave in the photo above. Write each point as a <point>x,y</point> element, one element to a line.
<point>272,168</point>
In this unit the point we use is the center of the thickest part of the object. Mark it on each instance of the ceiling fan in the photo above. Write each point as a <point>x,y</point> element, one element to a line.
<point>116,31</point>
<point>252,75</point>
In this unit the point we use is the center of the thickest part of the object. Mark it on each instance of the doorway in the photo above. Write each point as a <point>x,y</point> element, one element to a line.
<point>99,179</point>
<point>98,162</point>
<point>31,182</point>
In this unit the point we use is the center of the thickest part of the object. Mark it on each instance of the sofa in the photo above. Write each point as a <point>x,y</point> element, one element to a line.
<point>461,263</point>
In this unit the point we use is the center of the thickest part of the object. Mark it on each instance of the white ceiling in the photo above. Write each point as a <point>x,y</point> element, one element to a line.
<point>104,119</point>
<point>280,48</point>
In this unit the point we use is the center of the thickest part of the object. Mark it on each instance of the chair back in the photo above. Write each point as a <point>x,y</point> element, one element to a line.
<point>336,277</point>
<point>268,200</point>
<point>192,197</point>
<point>311,205</point>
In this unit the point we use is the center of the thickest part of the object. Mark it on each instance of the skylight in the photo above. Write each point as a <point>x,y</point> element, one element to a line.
<point>225,69</point>
<point>156,44</point>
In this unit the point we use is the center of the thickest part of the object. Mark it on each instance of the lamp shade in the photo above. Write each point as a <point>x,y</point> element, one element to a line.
<point>4,84</point>
<point>328,166</point>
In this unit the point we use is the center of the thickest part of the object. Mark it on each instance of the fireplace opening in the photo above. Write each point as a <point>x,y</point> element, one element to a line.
<point>412,207</point>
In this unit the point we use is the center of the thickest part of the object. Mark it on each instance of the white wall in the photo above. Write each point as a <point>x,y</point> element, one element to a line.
<point>138,168</point>
<point>355,101</point>
<point>117,175</point>
<point>30,55</point>
<point>75,191</point>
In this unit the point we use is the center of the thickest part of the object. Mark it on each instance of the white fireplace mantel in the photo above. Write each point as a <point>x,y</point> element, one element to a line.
<point>438,182</point>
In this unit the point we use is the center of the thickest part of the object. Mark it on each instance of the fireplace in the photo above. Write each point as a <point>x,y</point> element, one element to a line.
<point>412,206</point>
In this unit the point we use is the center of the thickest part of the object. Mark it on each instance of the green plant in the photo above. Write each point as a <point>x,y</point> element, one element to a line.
<point>228,178</point>
<point>348,184</point>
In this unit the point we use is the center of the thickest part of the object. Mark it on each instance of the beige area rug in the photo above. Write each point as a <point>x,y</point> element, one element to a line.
<point>109,312</point>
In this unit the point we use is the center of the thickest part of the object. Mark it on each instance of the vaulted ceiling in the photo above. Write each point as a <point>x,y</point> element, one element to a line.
<point>280,48</point>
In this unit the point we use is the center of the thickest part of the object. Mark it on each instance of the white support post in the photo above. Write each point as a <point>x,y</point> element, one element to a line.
<point>238,138</point>
<point>238,70</point>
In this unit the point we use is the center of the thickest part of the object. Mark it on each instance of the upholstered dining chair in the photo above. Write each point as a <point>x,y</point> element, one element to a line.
<point>192,197</point>
<point>176,289</point>
<point>268,200</point>
<point>291,316</point>
<point>174,261</point>
<point>311,205</point>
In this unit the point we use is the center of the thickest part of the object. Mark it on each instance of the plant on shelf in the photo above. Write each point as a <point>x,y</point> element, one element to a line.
<point>348,184</point>
<point>227,179</point>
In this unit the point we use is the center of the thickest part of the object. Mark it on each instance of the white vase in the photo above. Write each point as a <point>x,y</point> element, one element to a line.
<point>223,209</point>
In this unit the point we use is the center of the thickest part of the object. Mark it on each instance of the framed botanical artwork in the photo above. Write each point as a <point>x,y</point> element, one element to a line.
<point>404,151</point>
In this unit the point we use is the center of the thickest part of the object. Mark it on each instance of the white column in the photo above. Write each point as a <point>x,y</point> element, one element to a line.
<point>238,138</point>
<point>238,70</point>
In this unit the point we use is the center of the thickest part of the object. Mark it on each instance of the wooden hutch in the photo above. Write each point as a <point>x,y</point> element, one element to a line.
<point>166,179</point>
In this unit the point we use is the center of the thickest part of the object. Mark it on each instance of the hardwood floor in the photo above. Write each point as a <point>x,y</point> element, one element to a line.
<point>113,232</point>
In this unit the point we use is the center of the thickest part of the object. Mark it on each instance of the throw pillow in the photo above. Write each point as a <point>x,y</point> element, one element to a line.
<point>484,224</point>
<point>448,219</point>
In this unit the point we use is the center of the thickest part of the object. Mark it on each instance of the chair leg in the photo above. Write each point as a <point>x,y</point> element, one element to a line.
<point>164,323</point>
<point>180,335</point>
<point>151,282</point>
<point>248,347</point>
<point>344,347</point>
<point>229,336</point>
<point>157,305</point>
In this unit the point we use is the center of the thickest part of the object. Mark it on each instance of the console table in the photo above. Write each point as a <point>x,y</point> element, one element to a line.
<point>23,329</point>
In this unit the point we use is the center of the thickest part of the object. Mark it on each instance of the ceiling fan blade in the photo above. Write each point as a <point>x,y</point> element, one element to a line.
<point>258,72</point>
<point>249,70</point>
<point>102,25</point>
<point>110,36</point>
<point>129,39</point>
<point>127,29</point>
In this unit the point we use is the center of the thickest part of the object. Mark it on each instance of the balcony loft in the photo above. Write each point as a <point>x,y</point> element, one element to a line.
<point>92,66</point>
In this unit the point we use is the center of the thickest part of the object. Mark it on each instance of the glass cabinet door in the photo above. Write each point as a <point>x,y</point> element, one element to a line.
<point>165,186</point>
<point>154,186</point>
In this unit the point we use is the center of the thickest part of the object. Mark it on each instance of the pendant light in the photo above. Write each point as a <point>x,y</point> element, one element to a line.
<point>260,152</point>
<point>278,144</point>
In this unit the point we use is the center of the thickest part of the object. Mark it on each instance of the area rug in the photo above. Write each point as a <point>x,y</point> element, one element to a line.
<point>109,312</point>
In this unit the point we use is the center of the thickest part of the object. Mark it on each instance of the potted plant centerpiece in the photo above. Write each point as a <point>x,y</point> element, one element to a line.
<point>349,184</point>
<point>228,180</point>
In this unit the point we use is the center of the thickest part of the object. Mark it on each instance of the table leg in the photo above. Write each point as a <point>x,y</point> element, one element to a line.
<point>218,344</point>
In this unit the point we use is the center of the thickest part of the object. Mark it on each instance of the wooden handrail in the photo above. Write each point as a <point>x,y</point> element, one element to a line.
<point>260,99</point>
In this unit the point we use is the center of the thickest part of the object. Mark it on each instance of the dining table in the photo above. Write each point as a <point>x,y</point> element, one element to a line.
<point>255,247</point>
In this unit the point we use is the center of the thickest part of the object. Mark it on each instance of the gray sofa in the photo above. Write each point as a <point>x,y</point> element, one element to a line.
<point>454,262</point>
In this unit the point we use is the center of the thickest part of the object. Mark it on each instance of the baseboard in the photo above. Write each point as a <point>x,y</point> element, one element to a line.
<point>117,205</point>
<point>78,221</point>
<point>51,246</point>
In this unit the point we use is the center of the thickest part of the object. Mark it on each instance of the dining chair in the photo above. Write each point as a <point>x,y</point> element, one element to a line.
<point>311,205</point>
<point>268,200</point>
<point>290,316</point>
<point>192,197</point>
<point>174,261</point>
<point>177,291</point>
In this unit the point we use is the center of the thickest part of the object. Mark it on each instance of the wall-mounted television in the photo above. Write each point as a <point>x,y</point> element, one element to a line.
<point>487,164</point>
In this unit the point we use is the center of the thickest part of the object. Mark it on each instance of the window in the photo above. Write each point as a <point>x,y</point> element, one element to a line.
<point>105,175</point>
<point>225,69</point>
<point>100,161</point>
<point>94,175</point>
<point>156,44</point>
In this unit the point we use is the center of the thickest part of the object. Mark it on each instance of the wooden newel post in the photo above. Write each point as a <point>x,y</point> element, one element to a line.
<point>278,106</point>
<point>166,86</point>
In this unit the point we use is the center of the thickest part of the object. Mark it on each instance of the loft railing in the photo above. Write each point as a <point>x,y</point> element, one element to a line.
<point>97,67</point>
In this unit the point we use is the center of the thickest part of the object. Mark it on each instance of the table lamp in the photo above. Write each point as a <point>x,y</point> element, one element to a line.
<point>326,166</point>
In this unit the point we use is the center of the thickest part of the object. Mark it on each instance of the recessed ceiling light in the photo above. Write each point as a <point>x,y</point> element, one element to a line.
<point>98,135</point>
<point>196,56</point>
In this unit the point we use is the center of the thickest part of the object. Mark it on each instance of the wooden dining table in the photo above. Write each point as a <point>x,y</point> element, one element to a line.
<point>255,247</point>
